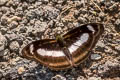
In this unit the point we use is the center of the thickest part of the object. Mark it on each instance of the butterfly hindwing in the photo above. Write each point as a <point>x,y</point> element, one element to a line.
<point>47,52</point>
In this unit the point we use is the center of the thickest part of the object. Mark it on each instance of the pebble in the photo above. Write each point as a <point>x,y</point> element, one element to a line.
<point>95,57</point>
<point>81,20</point>
<point>30,15</point>
<point>31,1</point>
<point>4,10</point>
<point>51,24</point>
<point>2,2</point>
<point>50,12</point>
<point>3,20</point>
<point>58,77</point>
<point>6,52</point>
<point>21,70</point>
<point>3,42</point>
<point>1,75</point>
<point>117,23</point>
<point>41,26</point>
<point>14,45</point>
<point>80,78</point>
<point>13,24</point>
<point>95,78</point>
<point>102,15</point>
<point>45,1</point>
<point>11,35</point>
<point>0,15</point>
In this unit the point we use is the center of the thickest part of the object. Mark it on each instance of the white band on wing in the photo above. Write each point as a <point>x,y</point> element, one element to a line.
<point>82,39</point>
<point>44,52</point>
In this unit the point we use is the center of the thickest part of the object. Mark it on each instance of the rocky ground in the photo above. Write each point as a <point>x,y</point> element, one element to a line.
<point>24,21</point>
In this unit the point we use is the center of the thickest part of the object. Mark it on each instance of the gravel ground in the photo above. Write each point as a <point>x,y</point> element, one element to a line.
<point>24,21</point>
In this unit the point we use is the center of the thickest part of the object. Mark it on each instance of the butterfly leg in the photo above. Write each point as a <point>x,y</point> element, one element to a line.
<point>68,56</point>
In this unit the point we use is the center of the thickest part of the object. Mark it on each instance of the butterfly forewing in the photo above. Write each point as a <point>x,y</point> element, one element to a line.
<point>79,42</point>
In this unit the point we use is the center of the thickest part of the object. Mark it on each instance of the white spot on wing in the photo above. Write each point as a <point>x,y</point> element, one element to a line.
<point>44,52</point>
<point>73,48</point>
<point>31,49</point>
<point>82,39</point>
<point>91,28</point>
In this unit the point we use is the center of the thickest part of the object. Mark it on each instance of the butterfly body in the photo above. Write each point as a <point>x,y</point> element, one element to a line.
<point>65,51</point>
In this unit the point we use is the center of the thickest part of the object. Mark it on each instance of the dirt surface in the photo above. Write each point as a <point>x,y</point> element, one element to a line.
<point>24,21</point>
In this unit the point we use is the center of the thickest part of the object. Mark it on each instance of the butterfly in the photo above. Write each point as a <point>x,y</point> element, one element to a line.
<point>65,51</point>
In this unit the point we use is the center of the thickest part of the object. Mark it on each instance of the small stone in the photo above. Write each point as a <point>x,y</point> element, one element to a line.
<point>31,1</point>
<point>55,1</point>
<point>3,30</point>
<point>1,15</point>
<point>80,78</point>
<point>60,1</point>
<point>11,35</point>
<point>82,20</point>
<point>51,24</point>
<point>24,21</point>
<point>50,12</point>
<point>59,28</point>
<point>45,1</point>
<point>58,77</point>
<point>76,24</point>
<point>4,10</point>
<point>14,45</point>
<point>102,15</point>
<point>117,25</point>
<point>6,52</point>
<point>21,70</point>
<point>4,20</point>
<point>3,42</point>
<point>95,57</point>
<point>41,26</point>
<point>1,75</point>
<point>38,3</point>
<point>76,13</point>
<point>95,78</point>
<point>2,2</point>
<point>13,24</point>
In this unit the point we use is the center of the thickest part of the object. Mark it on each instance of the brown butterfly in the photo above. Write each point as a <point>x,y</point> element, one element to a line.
<point>65,51</point>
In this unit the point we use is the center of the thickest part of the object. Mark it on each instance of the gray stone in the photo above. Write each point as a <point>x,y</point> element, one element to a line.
<point>31,1</point>
<point>95,78</point>
<point>41,26</point>
<point>50,12</point>
<point>4,10</point>
<point>1,75</point>
<point>13,24</point>
<point>3,42</point>
<point>95,57</point>
<point>14,46</point>
<point>2,2</point>
<point>117,23</point>
<point>11,35</point>
<point>4,20</point>
<point>80,78</point>
<point>58,77</point>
